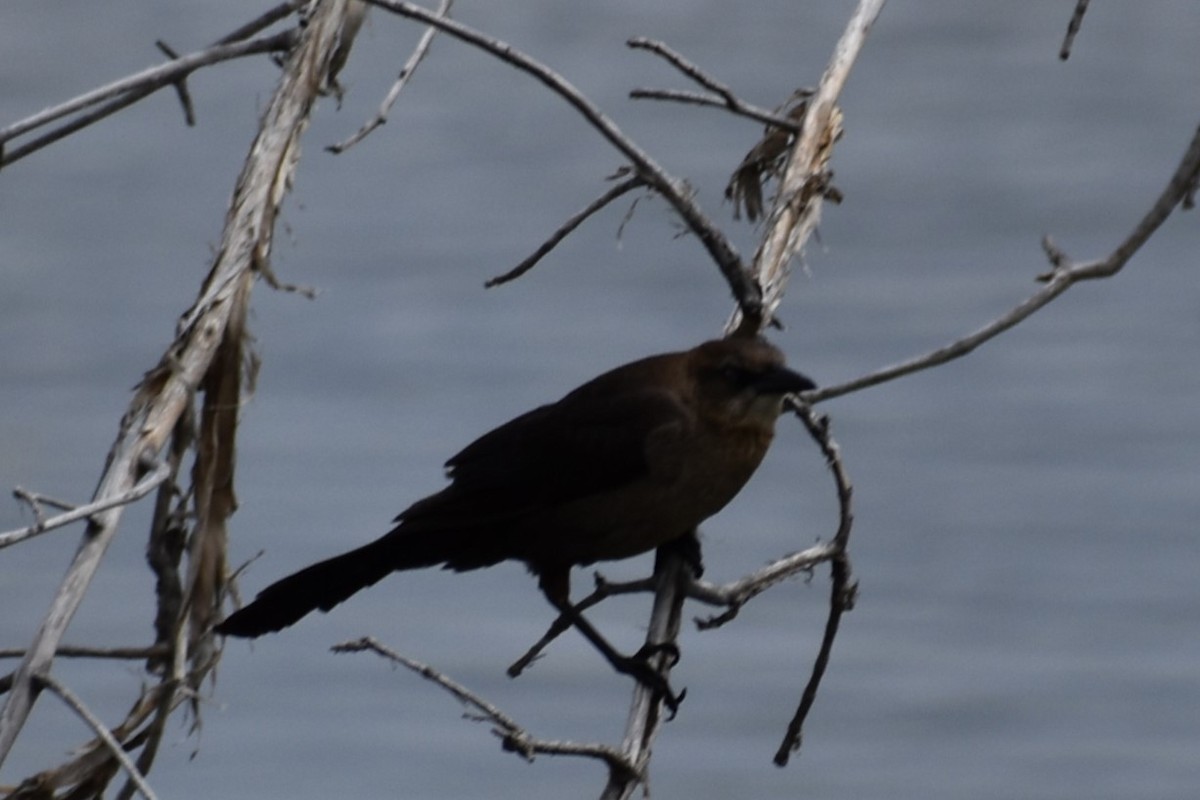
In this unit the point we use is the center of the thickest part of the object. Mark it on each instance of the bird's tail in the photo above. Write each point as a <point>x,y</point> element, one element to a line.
<point>320,586</point>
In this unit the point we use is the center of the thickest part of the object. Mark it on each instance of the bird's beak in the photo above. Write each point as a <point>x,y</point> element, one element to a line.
<point>782,380</point>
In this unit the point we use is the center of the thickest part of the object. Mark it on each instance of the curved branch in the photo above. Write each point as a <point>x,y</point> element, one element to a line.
<point>741,283</point>
<point>167,389</point>
<point>1062,276</point>
<point>625,186</point>
<point>514,738</point>
<point>139,490</point>
<point>104,734</point>
<point>128,91</point>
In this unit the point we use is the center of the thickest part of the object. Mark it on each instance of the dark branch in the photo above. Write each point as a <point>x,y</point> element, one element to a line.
<point>742,284</point>
<point>842,590</point>
<point>1073,28</point>
<point>565,229</point>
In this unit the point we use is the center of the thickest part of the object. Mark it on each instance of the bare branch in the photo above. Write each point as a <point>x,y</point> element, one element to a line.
<point>79,651</point>
<point>185,97</point>
<point>1063,274</point>
<point>114,747</point>
<point>737,593</point>
<point>739,107</point>
<point>617,190</point>
<point>725,98</point>
<point>843,589</point>
<point>128,91</point>
<point>167,389</point>
<point>745,290</point>
<point>514,738</point>
<point>406,72</point>
<point>261,22</point>
<point>1073,28</point>
<point>142,488</point>
<point>798,202</point>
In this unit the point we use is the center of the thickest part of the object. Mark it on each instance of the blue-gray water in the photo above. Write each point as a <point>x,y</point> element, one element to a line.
<point>1026,534</point>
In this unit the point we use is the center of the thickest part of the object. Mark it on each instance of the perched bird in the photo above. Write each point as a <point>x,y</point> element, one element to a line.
<point>631,460</point>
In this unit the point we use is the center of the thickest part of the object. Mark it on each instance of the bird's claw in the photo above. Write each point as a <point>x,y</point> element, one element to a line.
<point>651,649</point>
<point>638,667</point>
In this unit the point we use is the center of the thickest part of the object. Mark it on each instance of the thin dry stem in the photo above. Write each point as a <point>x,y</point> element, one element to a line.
<point>514,738</point>
<point>1073,28</point>
<point>106,736</point>
<point>136,492</point>
<point>1064,274</point>
<point>614,192</point>
<point>675,191</point>
<point>406,73</point>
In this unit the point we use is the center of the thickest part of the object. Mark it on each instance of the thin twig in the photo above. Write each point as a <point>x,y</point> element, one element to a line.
<point>261,22</point>
<point>738,107</point>
<point>737,593</point>
<point>81,651</point>
<point>406,72</point>
<point>127,91</point>
<point>142,488</point>
<point>181,90</point>
<point>1063,274</point>
<point>514,738</point>
<point>743,287</point>
<point>565,229</point>
<point>725,98</point>
<point>1073,28</point>
<point>683,65</point>
<point>843,589</point>
<point>102,731</point>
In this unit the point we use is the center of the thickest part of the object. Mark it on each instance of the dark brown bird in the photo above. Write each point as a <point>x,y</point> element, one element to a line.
<point>631,460</point>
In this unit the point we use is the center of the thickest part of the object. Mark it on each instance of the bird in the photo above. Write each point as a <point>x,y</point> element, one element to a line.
<point>632,460</point>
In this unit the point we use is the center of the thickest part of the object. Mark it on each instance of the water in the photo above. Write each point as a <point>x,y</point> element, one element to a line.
<point>1026,517</point>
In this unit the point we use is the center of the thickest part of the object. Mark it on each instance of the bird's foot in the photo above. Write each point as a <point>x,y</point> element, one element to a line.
<point>650,649</point>
<point>638,667</point>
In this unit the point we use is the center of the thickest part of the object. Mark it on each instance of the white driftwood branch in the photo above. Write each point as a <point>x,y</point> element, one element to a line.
<point>136,492</point>
<point>788,227</point>
<point>166,391</point>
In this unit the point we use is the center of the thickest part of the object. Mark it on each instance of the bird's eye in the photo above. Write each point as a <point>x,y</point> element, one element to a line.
<point>735,375</point>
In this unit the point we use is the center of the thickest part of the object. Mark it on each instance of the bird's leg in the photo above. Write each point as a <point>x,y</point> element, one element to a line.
<point>555,584</point>
<point>688,548</point>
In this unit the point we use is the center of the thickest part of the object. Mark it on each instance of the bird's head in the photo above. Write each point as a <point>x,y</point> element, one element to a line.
<point>744,381</point>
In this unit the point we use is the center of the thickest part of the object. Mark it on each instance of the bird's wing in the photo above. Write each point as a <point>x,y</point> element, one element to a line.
<point>577,447</point>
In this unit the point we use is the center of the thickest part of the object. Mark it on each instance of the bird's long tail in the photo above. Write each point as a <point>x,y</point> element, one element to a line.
<point>320,586</point>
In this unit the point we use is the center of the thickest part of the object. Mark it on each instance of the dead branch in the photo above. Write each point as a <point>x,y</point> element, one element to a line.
<point>128,91</point>
<point>167,390</point>
<point>843,589</point>
<point>797,208</point>
<point>80,651</point>
<point>735,594</point>
<point>1063,274</point>
<point>1073,28</point>
<point>744,288</point>
<point>143,487</point>
<point>645,709</point>
<point>617,190</point>
<point>104,734</point>
<point>406,73</point>
<point>788,226</point>
<point>721,95</point>
<point>514,738</point>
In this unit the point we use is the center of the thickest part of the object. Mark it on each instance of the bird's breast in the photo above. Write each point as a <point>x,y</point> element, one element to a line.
<point>688,480</point>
